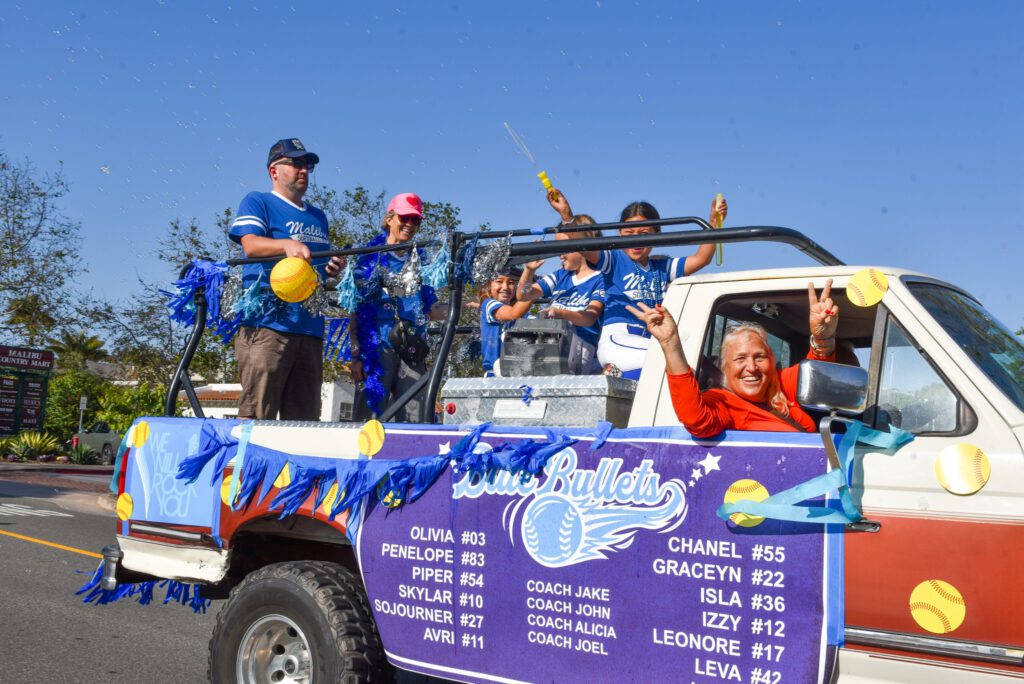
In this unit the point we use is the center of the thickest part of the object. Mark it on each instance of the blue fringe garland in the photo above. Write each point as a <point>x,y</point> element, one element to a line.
<point>213,441</point>
<point>465,264</point>
<point>435,274</point>
<point>208,274</point>
<point>175,591</point>
<point>368,336</point>
<point>404,480</point>
<point>348,293</point>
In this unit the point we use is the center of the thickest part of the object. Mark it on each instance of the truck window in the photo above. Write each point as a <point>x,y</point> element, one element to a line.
<point>997,351</point>
<point>911,394</point>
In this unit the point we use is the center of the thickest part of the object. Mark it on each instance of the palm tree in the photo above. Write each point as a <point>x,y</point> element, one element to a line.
<point>75,348</point>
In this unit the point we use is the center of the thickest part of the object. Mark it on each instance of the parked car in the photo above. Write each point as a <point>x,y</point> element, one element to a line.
<point>101,439</point>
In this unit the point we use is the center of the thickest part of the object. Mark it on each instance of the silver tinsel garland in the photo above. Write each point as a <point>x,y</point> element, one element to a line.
<point>406,282</point>
<point>490,260</point>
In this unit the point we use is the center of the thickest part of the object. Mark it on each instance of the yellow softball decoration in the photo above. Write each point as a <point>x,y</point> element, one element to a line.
<point>293,279</point>
<point>332,496</point>
<point>937,606</point>
<point>125,506</point>
<point>371,438</point>
<point>962,468</point>
<point>742,490</point>
<point>284,478</point>
<point>140,434</point>
<point>225,490</point>
<point>867,287</point>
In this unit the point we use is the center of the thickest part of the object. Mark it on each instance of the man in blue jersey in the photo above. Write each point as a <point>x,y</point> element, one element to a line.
<point>280,350</point>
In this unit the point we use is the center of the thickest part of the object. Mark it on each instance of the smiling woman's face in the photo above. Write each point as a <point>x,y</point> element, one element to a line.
<point>748,367</point>
<point>402,228</point>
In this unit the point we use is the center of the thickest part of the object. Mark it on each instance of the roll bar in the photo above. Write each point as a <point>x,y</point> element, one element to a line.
<point>518,252</point>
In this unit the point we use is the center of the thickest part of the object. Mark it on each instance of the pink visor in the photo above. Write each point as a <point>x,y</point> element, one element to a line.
<point>406,204</point>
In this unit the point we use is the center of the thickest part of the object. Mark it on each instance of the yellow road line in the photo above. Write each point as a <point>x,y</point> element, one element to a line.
<point>53,544</point>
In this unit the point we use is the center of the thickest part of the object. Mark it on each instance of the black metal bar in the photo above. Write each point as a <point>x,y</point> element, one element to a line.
<point>617,225</point>
<point>193,400</point>
<point>455,286</point>
<point>726,235</point>
<point>401,401</point>
<point>171,400</point>
<point>337,252</point>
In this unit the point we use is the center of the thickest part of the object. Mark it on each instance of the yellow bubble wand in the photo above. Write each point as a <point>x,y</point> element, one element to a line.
<point>716,223</point>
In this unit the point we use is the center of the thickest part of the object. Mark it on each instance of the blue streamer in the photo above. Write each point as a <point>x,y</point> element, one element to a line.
<point>213,442</point>
<point>435,274</point>
<point>348,293</point>
<point>201,273</point>
<point>185,594</point>
<point>464,268</point>
<point>604,429</point>
<point>782,506</point>
<point>527,394</point>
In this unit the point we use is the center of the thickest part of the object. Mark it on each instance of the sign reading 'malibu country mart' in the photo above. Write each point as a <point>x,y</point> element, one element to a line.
<point>612,566</point>
<point>24,378</point>
<point>26,359</point>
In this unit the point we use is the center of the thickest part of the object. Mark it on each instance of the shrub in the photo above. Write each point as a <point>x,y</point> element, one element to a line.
<point>31,444</point>
<point>21,451</point>
<point>82,454</point>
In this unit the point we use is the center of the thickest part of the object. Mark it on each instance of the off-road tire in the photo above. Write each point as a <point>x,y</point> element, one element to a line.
<point>107,455</point>
<point>326,601</point>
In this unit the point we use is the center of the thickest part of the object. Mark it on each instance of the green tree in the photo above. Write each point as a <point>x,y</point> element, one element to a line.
<point>62,401</point>
<point>75,348</point>
<point>120,406</point>
<point>38,261</point>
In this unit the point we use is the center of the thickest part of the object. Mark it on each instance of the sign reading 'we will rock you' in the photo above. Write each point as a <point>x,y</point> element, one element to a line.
<point>612,566</point>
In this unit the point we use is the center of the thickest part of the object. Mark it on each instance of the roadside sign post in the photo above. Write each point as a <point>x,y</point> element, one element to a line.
<point>83,401</point>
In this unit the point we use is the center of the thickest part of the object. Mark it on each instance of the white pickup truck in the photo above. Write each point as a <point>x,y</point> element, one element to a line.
<point>306,598</point>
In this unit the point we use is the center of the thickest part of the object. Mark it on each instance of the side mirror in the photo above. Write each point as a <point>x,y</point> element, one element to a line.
<point>832,386</point>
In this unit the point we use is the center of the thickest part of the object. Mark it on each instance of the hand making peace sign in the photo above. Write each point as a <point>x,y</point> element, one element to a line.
<point>824,313</point>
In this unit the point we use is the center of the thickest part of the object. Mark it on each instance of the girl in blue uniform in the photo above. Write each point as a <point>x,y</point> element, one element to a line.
<point>631,276</point>
<point>577,294</point>
<point>498,308</point>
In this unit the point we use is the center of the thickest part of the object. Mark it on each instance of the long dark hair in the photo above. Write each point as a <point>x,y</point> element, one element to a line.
<point>645,210</point>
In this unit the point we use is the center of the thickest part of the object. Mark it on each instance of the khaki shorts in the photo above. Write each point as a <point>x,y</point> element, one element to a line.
<point>281,374</point>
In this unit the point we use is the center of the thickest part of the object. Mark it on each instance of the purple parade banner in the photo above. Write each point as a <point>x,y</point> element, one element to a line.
<point>611,567</point>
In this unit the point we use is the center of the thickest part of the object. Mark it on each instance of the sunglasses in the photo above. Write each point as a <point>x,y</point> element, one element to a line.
<point>297,163</point>
<point>412,219</point>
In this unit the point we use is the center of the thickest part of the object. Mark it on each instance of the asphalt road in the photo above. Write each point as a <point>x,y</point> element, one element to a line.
<point>49,634</point>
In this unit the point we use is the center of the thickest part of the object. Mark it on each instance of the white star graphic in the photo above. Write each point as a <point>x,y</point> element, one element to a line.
<point>692,483</point>
<point>443,449</point>
<point>710,463</point>
<point>696,474</point>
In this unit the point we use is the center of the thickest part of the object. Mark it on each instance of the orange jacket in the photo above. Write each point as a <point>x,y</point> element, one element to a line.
<point>707,413</point>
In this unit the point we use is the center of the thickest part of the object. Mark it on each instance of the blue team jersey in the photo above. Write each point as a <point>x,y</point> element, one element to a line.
<point>628,282</point>
<point>369,273</point>
<point>491,330</point>
<point>267,214</point>
<point>573,294</point>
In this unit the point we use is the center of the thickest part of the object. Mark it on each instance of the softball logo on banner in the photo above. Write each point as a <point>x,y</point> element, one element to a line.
<point>576,515</point>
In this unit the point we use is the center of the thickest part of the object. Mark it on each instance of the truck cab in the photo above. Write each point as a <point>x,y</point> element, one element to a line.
<point>941,367</point>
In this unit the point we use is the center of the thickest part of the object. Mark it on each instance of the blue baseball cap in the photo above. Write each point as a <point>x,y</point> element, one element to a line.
<point>291,148</point>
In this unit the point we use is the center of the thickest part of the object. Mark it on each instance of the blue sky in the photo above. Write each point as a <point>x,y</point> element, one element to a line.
<point>888,132</point>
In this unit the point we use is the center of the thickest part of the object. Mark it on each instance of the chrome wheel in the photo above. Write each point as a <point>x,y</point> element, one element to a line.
<point>274,651</point>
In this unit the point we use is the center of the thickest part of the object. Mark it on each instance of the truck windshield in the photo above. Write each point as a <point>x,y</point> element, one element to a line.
<point>995,350</point>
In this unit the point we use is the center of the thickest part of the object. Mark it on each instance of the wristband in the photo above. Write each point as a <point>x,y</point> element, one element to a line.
<point>819,350</point>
